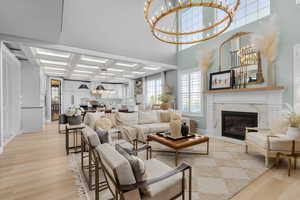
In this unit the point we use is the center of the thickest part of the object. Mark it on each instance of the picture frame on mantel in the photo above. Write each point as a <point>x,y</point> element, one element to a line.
<point>221,80</point>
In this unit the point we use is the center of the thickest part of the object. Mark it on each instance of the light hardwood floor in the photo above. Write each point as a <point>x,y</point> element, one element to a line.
<point>34,166</point>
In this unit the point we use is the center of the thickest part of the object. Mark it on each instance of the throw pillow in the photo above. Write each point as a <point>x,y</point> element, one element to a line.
<point>103,123</point>
<point>103,135</point>
<point>148,117</point>
<point>138,168</point>
<point>112,118</point>
<point>165,116</point>
<point>91,118</point>
<point>279,126</point>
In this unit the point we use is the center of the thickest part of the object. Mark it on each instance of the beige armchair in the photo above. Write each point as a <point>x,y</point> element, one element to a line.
<point>164,182</point>
<point>267,144</point>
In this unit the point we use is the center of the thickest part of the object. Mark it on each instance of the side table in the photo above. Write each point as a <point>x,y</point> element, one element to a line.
<point>75,130</point>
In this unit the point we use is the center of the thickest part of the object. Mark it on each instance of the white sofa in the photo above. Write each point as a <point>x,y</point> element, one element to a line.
<point>145,122</point>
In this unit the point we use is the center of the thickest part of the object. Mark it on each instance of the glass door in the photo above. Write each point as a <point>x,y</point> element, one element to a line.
<point>55,99</point>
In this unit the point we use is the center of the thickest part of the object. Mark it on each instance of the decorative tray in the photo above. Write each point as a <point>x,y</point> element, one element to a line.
<point>168,136</point>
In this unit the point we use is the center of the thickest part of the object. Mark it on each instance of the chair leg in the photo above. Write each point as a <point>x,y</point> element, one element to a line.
<point>295,163</point>
<point>246,148</point>
<point>183,185</point>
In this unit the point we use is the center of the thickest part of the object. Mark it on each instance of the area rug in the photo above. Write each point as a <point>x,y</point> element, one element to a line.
<point>219,176</point>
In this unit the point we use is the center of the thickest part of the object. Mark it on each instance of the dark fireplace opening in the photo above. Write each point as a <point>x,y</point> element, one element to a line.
<point>234,123</point>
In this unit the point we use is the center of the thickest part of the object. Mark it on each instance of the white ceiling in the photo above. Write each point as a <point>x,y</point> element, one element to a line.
<point>78,66</point>
<point>111,27</point>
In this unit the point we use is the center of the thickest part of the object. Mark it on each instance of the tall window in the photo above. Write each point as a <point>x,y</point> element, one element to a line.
<point>190,92</point>
<point>249,11</point>
<point>154,89</point>
<point>191,20</point>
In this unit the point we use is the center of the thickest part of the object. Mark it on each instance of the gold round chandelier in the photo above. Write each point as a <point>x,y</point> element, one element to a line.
<point>163,15</point>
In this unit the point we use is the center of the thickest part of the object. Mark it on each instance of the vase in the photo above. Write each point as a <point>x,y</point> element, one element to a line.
<point>74,120</point>
<point>293,132</point>
<point>165,106</point>
<point>175,128</point>
<point>205,81</point>
<point>271,74</point>
<point>184,130</point>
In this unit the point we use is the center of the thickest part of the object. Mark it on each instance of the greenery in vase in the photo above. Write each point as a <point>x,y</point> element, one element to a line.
<point>291,116</point>
<point>73,111</point>
<point>165,98</point>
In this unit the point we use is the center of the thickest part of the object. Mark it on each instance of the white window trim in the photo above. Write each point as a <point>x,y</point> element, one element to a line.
<point>190,114</point>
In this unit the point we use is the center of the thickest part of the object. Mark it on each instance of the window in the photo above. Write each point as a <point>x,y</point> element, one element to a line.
<point>190,95</point>
<point>248,11</point>
<point>154,89</point>
<point>191,20</point>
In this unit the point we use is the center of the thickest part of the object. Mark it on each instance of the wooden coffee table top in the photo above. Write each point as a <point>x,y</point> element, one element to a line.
<point>179,144</point>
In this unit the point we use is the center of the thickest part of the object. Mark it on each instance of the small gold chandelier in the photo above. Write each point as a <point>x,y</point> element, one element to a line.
<point>163,15</point>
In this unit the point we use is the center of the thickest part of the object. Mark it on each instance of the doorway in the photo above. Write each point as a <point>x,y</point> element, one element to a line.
<point>55,99</point>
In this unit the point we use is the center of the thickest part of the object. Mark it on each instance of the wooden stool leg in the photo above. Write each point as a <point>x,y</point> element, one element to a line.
<point>290,166</point>
<point>295,162</point>
<point>277,160</point>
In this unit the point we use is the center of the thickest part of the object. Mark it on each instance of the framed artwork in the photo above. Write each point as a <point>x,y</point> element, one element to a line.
<point>221,80</point>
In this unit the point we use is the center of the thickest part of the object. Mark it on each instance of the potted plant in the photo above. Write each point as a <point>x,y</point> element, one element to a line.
<point>74,115</point>
<point>166,100</point>
<point>294,121</point>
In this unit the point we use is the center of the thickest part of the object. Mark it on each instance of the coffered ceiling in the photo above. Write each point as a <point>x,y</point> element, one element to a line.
<point>72,65</point>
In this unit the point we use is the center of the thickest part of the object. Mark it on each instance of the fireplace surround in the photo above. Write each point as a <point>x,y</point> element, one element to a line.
<point>266,103</point>
<point>234,123</point>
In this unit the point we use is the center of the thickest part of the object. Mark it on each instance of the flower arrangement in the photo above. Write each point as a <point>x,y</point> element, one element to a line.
<point>73,111</point>
<point>267,42</point>
<point>165,98</point>
<point>206,60</point>
<point>291,116</point>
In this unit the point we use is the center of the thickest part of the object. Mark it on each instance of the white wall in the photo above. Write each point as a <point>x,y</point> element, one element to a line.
<point>10,96</point>
<point>37,19</point>
<point>32,109</point>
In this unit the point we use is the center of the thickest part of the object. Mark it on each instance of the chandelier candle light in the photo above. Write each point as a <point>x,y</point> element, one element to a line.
<point>162,17</point>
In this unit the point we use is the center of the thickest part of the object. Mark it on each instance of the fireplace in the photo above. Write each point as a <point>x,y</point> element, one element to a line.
<point>234,123</point>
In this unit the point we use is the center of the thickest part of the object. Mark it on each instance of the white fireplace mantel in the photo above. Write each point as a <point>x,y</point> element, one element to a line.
<point>267,103</point>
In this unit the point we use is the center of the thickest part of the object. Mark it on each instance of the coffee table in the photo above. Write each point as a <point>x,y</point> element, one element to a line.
<point>178,145</point>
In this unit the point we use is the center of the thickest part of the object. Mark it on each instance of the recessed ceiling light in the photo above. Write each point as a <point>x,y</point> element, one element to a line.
<point>107,74</point>
<point>55,73</point>
<point>152,68</point>
<point>138,72</point>
<point>115,70</point>
<point>93,59</point>
<point>52,53</point>
<point>100,77</point>
<point>84,75</point>
<point>126,64</point>
<point>80,71</point>
<point>55,68</point>
<point>53,62</point>
<point>129,76</point>
<point>87,66</point>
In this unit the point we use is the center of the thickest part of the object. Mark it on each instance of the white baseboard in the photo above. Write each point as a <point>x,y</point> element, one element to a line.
<point>231,140</point>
